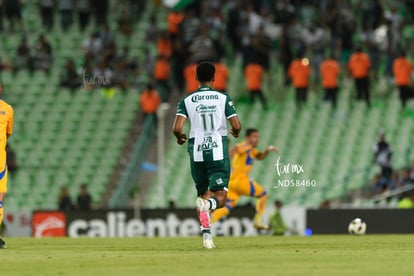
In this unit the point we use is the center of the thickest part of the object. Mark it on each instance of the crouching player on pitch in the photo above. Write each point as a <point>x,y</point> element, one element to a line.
<point>6,128</point>
<point>240,184</point>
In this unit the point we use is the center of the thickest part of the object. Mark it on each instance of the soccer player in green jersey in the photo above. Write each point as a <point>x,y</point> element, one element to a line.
<point>208,111</point>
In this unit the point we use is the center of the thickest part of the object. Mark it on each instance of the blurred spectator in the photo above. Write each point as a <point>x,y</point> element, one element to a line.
<point>393,41</point>
<point>190,76</point>
<point>64,201</point>
<point>346,28</point>
<point>395,181</point>
<point>402,70</point>
<point>13,11</point>
<point>65,8</point>
<point>299,71</point>
<point>120,75</point>
<point>367,12</point>
<point>189,27</point>
<point>131,63</point>
<point>23,59</point>
<point>233,24</point>
<point>285,53</point>
<point>84,12</point>
<point>261,48</point>
<point>149,62</point>
<point>284,11</point>
<point>84,202</point>
<point>254,75</point>
<point>330,72</point>
<point>46,11</point>
<point>149,101</point>
<point>359,65</point>
<point>405,177</point>
<point>276,222</point>
<point>162,74</point>
<point>382,156</point>
<point>152,32</point>
<point>125,23</point>
<point>254,19</point>
<point>314,40</point>
<point>331,21</point>
<point>92,45</point>
<point>70,78</point>
<point>246,43</point>
<point>174,20</point>
<point>378,185</point>
<point>164,45</point>
<point>102,75</point>
<point>221,77</point>
<point>369,40</point>
<point>43,54</point>
<point>179,57</point>
<point>11,158</point>
<point>107,36</point>
<point>203,47</point>
<point>100,9</point>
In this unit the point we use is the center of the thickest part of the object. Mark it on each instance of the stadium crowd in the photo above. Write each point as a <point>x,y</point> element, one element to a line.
<point>363,38</point>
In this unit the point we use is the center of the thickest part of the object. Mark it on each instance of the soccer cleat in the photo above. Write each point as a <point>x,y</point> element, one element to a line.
<point>261,226</point>
<point>257,223</point>
<point>2,244</point>
<point>208,241</point>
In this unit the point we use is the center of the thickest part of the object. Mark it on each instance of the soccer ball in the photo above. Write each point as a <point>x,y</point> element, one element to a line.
<point>357,227</point>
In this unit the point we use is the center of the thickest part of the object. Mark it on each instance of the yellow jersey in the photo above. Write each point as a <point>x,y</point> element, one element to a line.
<point>6,129</point>
<point>242,160</point>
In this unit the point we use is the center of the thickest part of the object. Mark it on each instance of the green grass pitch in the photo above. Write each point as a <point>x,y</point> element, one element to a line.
<point>265,255</point>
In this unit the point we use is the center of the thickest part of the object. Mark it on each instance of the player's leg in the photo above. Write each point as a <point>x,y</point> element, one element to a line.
<point>257,191</point>
<point>3,191</point>
<point>218,175</point>
<point>198,172</point>
<point>223,212</point>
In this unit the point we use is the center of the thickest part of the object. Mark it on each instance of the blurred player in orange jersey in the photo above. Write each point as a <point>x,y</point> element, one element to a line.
<point>330,72</point>
<point>174,20</point>
<point>359,65</point>
<point>191,82</point>
<point>242,157</point>
<point>164,45</point>
<point>221,77</point>
<point>162,73</point>
<point>6,129</point>
<point>299,71</point>
<point>254,75</point>
<point>402,70</point>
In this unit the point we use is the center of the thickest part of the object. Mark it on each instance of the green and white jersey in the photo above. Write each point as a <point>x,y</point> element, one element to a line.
<point>208,111</point>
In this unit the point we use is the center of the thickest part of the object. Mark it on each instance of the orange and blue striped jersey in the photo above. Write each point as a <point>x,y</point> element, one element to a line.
<point>242,160</point>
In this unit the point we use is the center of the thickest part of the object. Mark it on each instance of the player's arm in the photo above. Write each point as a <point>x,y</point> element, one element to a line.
<point>179,121</point>
<point>235,126</point>
<point>178,128</point>
<point>262,155</point>
<point>232,117</point>
<point>9,128</point>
